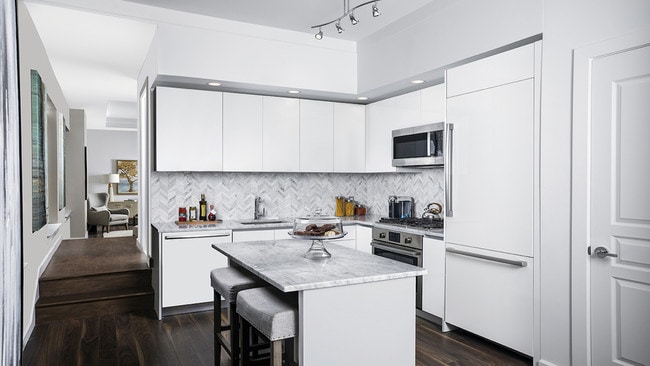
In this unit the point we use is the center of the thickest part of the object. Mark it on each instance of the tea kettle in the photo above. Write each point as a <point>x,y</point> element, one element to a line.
<point>432,211</point>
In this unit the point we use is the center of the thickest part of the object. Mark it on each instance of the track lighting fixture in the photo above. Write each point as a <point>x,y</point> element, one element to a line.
<point>347,12</point>
<point>338,27</point>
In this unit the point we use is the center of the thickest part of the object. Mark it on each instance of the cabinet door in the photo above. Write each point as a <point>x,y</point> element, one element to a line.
<point>364,237</point>
<point>433,104</point>
<point>186,266</point>
<point>507,67</point>
<point>280,234</point>
<point>242,132</point>
<point>281,134</point>
<point>433,283</point>
<point>492,168</point>
<point>316,136</point>
<point>349,138</point>
<point>252,235</point>
<point>188,130</point>
<point>490,298</point>
<point>384,117</point>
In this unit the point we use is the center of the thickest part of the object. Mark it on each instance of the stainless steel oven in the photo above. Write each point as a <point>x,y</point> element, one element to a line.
<point>400,246</point>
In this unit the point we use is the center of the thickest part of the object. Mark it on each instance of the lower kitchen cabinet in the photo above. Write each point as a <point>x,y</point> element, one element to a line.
<point>187,259</point>
<point>252,235</point>
<point>364,237</point>
<point>491,294</point>
<point>349,240</point>
<point>433,283</point>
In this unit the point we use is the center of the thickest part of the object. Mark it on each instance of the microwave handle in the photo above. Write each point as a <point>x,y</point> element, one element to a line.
<point>449,208</point>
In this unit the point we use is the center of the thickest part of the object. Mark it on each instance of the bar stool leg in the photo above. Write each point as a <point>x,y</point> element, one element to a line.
<point>234,330</point>
<point>217,328</point>
<point>276,353</point>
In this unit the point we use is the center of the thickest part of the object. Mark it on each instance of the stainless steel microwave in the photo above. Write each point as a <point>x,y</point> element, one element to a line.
<point>419,146</point>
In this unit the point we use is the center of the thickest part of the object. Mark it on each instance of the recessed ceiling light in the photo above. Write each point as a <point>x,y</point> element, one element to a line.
<point>362,98</point>
<point>294,92</point>
<point>418,81</point>
<point>214,83</point>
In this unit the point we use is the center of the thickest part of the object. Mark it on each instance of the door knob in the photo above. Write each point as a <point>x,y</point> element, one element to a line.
<point>602,252</point>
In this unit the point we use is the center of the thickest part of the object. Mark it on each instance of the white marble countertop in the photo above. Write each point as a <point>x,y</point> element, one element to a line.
<point>236,225</point>
<point>281,263</point>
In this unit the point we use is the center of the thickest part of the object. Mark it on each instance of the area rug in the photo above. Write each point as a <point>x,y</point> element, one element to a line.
<point>118,233</point>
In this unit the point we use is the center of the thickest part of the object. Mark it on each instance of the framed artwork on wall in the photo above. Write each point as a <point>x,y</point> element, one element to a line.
<point>128,171</point>
<point>39,156</point>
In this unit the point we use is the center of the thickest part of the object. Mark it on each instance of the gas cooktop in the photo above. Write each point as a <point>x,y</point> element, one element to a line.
<point>414,222</point>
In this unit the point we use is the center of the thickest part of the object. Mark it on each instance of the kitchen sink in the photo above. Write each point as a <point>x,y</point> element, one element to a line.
<point>263,222</point>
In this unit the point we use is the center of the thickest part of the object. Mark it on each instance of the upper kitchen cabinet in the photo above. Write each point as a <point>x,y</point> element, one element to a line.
<point>349,138</point>
<point>433,104</point>
<point>503,68</point>
<point>316,136</point>
<point>242,132</point>
<point>281,134</point>
<point>188,130</point>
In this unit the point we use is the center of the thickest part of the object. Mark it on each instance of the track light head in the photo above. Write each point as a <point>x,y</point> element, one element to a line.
<point>319,35</point>
<point>353,20</point>
<point>375,10</point>
<point>338,27</point>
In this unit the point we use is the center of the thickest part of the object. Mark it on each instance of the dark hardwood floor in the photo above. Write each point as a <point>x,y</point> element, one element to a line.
<point>138,338</point>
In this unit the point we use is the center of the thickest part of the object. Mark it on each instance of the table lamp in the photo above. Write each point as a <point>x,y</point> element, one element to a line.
<point>112,178</point>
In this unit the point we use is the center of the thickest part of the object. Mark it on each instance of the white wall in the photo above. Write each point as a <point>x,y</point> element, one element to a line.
<point>443,36</point>
<point>36,246</point>
<point>104,149</point>
<point>567,25</point>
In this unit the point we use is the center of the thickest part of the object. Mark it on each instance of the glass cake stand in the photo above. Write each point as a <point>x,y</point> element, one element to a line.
<point>318,229</point>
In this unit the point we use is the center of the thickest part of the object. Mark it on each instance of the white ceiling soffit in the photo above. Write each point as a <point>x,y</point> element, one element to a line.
<point>121,114</point>
<point>298,15</point>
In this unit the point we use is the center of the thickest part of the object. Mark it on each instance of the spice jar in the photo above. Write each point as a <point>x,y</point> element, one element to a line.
<point>182,214</point>
<point>349,206</point>
<point>340,206</point>
<point>193,215</point>
<point>360,210</point>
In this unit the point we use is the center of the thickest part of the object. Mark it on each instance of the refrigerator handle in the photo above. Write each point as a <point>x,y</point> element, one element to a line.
<point>449,208</point>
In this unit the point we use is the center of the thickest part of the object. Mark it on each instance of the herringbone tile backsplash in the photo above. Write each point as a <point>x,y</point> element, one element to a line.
<point>289,194</point>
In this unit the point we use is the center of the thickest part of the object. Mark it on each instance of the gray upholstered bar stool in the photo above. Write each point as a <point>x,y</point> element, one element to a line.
<point>274,314</point>
<point>227,283</point>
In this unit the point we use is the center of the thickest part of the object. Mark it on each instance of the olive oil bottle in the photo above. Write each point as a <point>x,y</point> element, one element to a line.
<point>203,208</point>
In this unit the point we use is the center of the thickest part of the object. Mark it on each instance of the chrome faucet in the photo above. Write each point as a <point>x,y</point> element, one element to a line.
<point>257,214</point>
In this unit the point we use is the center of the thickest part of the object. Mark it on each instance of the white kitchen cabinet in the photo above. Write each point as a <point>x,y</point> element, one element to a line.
<point>433,104</point>
<point>280,234</point>
<point>187,260</point>
<point>349,138</point>
<point>384,117</point>
<point>349,240</point>
<point>281,134</point>
<point>253,235</point>
<point>188,130</point>
<point>242,132</point>
<point>364,237</point>
<point>316,136</point>
<point>503,68</point>
<point>491,298</point>
<point>433,283</point>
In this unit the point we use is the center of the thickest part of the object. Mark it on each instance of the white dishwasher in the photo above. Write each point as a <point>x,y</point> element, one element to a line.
<point>187,259</point>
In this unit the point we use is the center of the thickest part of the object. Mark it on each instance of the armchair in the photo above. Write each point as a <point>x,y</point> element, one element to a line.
<point>100,214</point>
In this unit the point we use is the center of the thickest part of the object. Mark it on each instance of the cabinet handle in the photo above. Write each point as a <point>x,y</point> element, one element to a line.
<point>448,168</point>
<point>396,250</point>
<point>487,257</point>
<point>170,237</point>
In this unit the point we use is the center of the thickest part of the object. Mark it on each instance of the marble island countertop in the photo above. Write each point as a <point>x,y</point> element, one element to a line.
<point>281,263</point>
<point>236,225</point>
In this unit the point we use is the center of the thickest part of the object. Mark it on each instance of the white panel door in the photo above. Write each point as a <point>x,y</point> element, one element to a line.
<point>349,138</point>
<point>316,136</point>
<point>188,130</point>
<point>492,169</point>
<point>433,283</point>
<point>242,132</point>
<point>186,266</point>
<point>364,237</point>
<point>281,135</point>
<point>619,219</point>
<point>252,235</point>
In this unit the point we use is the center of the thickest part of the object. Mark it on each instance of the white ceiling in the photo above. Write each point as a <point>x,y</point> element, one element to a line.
<point>97,57</point>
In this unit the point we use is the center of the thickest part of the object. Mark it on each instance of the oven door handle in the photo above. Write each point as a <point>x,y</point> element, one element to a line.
<point>396,250</point>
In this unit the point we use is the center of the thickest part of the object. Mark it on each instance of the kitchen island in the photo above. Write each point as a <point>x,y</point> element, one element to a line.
<point>354,308</point>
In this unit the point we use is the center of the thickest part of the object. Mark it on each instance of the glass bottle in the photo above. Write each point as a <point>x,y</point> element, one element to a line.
<point>340,206</point>
<point>203,208</point>
<point>349,206</point>
<point>212,216</point>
